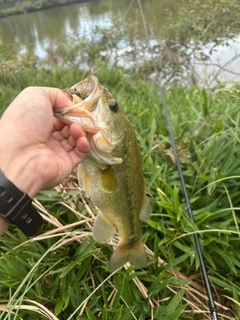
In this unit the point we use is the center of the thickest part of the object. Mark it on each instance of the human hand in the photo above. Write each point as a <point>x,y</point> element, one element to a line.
<point>38,151</point>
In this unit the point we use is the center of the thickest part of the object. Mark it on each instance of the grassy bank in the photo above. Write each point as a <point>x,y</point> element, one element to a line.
<point>62,272</point>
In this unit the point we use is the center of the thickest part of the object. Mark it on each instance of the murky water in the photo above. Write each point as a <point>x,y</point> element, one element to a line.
<point>41,29</point>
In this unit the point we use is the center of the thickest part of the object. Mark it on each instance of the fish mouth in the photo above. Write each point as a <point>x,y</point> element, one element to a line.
<point>77,114</point>
<point>85,96</point>
<point>86,111</point>
<point>101,144</point>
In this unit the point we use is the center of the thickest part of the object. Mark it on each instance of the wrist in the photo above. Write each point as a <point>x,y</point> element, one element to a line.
<point>22,172</point>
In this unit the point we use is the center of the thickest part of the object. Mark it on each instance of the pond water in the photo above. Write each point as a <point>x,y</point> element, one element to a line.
<point>41,29</point>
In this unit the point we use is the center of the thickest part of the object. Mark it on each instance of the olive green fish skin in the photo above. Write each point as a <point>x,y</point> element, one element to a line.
<point>118,190</point>
<point>111,174</point>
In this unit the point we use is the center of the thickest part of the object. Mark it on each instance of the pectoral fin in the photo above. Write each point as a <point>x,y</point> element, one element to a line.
<point>146,210</point>
<point>103,230</point>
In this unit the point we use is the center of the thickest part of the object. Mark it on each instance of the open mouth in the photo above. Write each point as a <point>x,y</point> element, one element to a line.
<point>85,95</point>
<point>76,114</point>
<point>89,99</point>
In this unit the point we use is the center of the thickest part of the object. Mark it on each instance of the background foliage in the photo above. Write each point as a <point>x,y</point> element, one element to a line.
<point>62,272</point>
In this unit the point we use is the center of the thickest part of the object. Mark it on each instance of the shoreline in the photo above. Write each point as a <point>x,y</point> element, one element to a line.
<point>5,13</point>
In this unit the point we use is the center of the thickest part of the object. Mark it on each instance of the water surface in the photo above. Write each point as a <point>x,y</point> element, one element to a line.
<point>41,29</point>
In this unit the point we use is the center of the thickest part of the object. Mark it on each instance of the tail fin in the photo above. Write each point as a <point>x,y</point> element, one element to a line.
<point>136,255</point>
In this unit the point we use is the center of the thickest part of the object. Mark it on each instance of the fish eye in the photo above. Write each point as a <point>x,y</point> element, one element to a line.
<point>113,106</point>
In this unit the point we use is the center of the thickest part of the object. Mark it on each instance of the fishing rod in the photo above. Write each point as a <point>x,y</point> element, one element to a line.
<point>211,306</point>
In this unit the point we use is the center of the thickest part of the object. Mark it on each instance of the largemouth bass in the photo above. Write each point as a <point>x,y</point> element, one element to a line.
<point>111,174</point>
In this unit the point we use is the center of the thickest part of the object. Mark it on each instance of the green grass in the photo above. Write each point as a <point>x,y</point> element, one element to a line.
<point>62,272</point>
